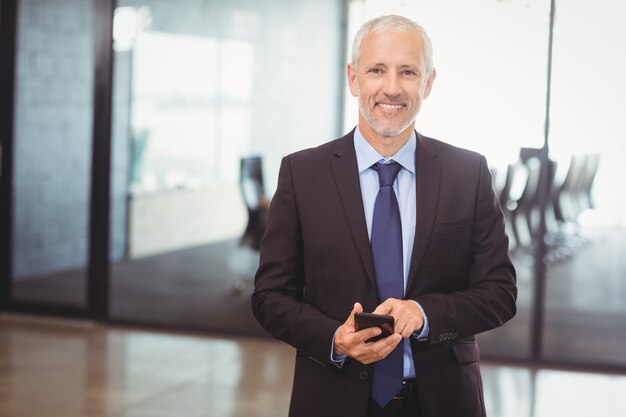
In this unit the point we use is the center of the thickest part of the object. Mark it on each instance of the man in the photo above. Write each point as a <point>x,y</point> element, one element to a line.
<point>389,221</point>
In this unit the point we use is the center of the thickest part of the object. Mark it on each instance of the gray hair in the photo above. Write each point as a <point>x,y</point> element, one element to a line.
<point>392,23</point>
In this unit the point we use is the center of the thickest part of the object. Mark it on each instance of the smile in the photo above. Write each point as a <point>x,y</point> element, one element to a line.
<point>390,106</point>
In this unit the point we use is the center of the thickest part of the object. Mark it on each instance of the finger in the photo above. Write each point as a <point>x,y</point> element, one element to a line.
<point>408,319</point>
<point>400,327</point>
<point>366,334</point>
<point>392,342</point>
<point>388,342</point>
<point>380,349</point>
<point>406,331</point>
<point>357,308</point>
<point>411,326</point>
<point>385,308</point>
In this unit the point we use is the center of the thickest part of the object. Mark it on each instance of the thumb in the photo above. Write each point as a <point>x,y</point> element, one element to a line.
<point>357,308</point>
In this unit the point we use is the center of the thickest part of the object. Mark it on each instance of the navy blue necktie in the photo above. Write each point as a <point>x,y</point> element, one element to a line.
<point>387,254</point>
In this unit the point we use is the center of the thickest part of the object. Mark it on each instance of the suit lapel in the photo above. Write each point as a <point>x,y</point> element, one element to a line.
<point>346,174</point>
<point>427,176</point>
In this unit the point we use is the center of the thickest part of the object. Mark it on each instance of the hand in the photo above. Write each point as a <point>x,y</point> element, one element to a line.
<point>352,343</point>
<point>406,313</point>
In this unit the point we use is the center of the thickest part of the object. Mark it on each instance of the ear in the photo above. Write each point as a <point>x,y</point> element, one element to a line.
<point>429,82</point>
<point>352,83</point>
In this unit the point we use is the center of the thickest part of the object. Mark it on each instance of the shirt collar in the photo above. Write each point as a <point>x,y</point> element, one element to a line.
<point>366,155</point>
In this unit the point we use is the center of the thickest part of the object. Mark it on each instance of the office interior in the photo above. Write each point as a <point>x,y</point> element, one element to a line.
<point>140,146</point>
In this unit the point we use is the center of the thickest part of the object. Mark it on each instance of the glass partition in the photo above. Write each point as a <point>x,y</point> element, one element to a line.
<point>52,151</point>
<point>586,287</point>
<point>208,97</point>
<point>489,96</point>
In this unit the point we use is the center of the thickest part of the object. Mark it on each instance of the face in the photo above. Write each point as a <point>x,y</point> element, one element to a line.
<point>390,81</point>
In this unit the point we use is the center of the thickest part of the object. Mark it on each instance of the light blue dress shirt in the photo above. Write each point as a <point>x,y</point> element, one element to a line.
<point>404,187</point>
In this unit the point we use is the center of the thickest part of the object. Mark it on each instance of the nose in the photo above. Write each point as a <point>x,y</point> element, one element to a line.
<point>392,85</point>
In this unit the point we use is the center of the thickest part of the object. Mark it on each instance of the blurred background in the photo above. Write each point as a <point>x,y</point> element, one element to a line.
<point>141,140</point>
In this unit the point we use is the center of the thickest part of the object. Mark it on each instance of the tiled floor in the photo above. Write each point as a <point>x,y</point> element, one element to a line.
<point>66,369</point>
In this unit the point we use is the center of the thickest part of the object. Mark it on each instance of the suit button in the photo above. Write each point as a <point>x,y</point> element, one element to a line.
<point>363,375</point>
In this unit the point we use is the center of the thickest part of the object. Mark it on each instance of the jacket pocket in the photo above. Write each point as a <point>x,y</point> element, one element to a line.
<point>452,225</point>
<point>466,352</point>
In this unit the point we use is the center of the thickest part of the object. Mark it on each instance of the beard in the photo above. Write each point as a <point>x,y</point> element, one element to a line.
<point>378,125</point>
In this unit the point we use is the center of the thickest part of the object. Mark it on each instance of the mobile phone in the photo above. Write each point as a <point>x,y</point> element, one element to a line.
<point>367,320</point>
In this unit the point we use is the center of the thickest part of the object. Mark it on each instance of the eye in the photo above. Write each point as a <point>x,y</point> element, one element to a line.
<point>408,72</point>
<point>375,71</point>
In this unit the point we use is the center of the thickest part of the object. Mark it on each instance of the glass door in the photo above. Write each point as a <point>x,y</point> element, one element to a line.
<point>207,98</point>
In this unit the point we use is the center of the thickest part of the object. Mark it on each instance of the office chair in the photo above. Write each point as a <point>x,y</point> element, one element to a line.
<point>511,192</point>
<point>523,219</point>
<point>253,193</point>
<point>586,185</point>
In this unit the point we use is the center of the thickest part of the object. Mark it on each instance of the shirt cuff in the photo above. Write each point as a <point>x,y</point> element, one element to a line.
<point>422,334</point>
<point>337,360</point>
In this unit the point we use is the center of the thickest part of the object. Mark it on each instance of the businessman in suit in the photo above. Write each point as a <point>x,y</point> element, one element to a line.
<point>389,221</point>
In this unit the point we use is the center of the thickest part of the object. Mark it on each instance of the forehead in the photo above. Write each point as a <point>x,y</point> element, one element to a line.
<point>392,48</point>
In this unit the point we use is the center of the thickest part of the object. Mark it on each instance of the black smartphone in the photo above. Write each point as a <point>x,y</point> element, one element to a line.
<point>367,320</point>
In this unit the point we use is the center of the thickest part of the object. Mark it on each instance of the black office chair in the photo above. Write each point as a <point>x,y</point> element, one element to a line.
<point>570,197</point>
<point>566,208</point>
<point>557,172</point>
<point>510,193</point>
<point>253,193</point>
<point>591,169</point>
<point>524,220</point>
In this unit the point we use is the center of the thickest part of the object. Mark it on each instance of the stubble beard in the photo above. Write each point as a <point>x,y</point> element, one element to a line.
<point>386,131</point>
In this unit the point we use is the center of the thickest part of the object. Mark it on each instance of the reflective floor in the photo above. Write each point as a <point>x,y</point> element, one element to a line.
<point>196,288</point>
<point>67,368</point>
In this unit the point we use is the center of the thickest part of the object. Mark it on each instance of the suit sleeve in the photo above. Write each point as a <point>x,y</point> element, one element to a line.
<point>278,300</point>
<point>488,300</point>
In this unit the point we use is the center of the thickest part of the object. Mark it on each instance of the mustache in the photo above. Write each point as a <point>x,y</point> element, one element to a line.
<point>398,100</point>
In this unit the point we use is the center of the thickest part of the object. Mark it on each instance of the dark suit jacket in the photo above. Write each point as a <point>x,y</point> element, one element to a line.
<point>316,263</point>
